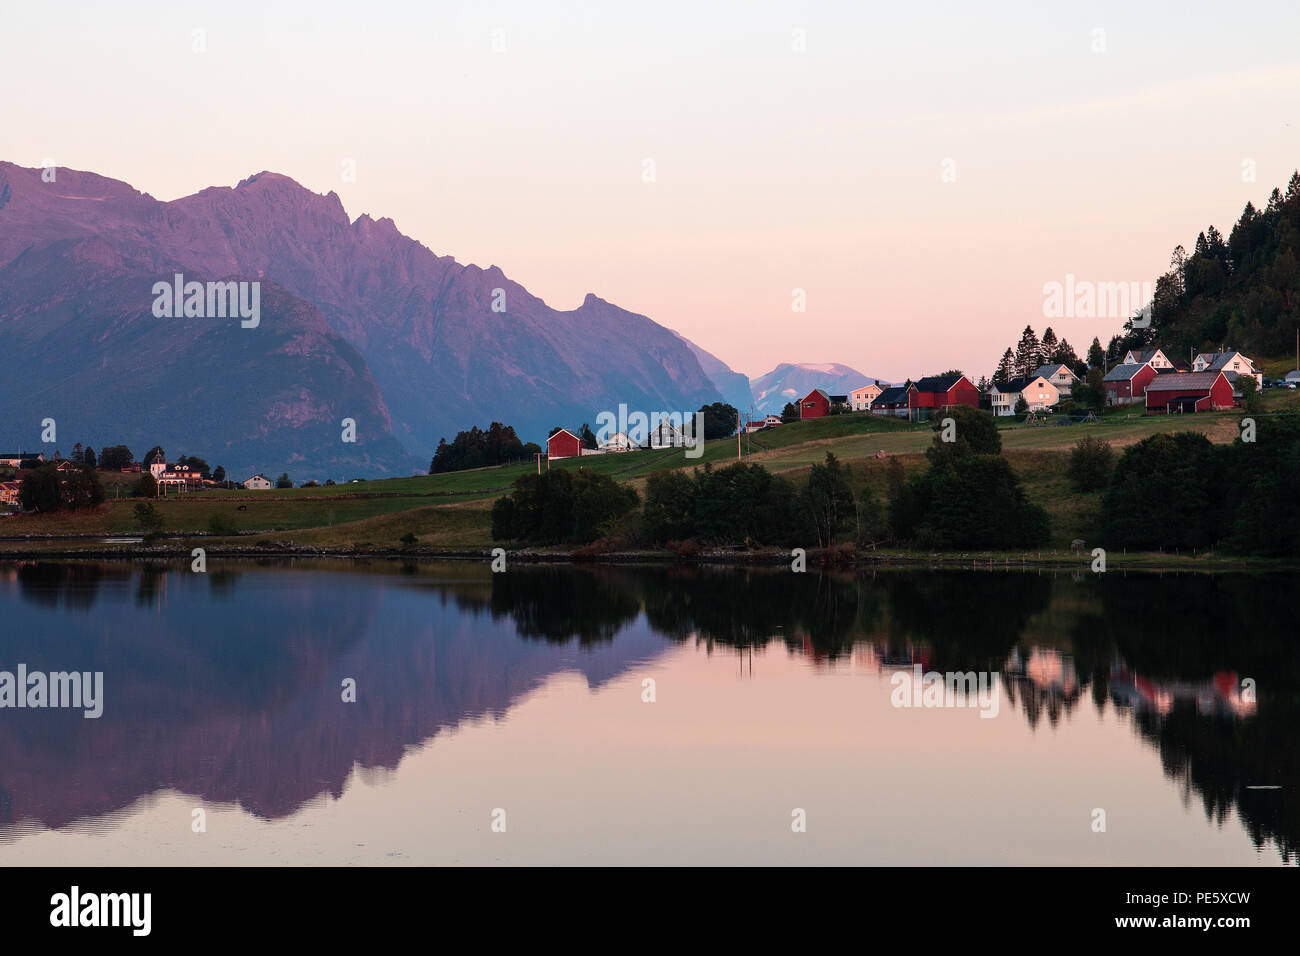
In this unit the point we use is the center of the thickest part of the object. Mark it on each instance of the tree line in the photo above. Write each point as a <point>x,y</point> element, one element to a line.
<point>967,497</point>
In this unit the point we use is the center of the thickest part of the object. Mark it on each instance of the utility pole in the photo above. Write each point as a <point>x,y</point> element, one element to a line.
<point>738,432</point>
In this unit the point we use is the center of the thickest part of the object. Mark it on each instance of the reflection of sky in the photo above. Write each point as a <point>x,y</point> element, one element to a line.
<point>457,716</point>
<point>710,773</point>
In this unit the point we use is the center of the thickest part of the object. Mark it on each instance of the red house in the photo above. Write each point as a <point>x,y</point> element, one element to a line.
<point>941,391</point>
<point>816,404</point>
<point>1189,392</point>
<point>1127,383</point>
<point>563,444</point>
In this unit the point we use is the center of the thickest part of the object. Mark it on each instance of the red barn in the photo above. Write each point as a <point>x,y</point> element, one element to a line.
<point>563,444</point>
<point>816,404</point>
<point>1189,392</point>
<point>1127,383</point>
<point>941,391</point>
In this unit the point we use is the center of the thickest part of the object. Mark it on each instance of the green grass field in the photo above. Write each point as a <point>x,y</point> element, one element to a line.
<point>454,510</point>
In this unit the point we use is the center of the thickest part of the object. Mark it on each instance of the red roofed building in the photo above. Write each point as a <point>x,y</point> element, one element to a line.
<point>1127,383</point>
<point>1189,392</point>
<point>941,391</point>
<point>563,444</point>
<point>816,404</point>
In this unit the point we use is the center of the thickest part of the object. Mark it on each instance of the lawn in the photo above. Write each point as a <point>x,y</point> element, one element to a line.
<point>454,510</point>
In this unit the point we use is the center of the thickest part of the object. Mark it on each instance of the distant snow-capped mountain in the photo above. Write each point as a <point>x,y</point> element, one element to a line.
<point>791,382</point>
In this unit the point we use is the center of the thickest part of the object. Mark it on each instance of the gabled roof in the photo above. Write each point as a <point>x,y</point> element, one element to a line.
<point>839,399</point>
<point>1187,381</point>
<point>816,391</point>
<point>893,394</point>
<point>565,431</point>
<point>1122,373</point>
<point>937,383</point>
<point>1221,360</point>
<point>1047,371</point>
<point>251,477</point>
<point>1018,384</point>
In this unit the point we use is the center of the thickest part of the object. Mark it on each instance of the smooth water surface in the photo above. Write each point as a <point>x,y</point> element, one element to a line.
<point>648,715</point>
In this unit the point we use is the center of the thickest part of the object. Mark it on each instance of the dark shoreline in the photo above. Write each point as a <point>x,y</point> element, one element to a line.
<point>816,560</point>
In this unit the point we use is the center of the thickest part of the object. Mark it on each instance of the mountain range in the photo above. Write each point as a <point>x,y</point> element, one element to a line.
<point>357,322</point>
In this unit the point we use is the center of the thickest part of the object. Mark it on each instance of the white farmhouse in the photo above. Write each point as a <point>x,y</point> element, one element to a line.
<point>1037,392</point>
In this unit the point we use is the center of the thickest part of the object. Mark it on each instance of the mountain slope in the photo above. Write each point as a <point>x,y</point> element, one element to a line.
<point>429,330</point>
<point>96,360</point>
<point>733,386</point>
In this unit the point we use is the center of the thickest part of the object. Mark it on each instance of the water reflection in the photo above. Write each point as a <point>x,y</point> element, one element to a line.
<point>227,685</point>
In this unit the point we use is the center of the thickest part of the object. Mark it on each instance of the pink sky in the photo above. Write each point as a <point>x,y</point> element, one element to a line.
<point>516,134</point>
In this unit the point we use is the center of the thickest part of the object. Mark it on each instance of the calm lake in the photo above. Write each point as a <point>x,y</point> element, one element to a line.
<point>624,715</point>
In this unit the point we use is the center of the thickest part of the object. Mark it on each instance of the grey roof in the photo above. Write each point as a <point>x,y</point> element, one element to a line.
<point>1047,371</point>
<point>1184,381</point>
<point>937,383</point>
<point>1017,384</point>
<point>1122,373</point>
<point>1221,359</point>
<point>895,393</point>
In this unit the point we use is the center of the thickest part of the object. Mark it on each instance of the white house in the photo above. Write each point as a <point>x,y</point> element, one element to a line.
<point>666,435</point>
<point>1037,392</point>
<point>1227,361</point>
<point>618,442</point>
<point>258,483</point>
<point>770,421</point>
<point>860,399</point>
<point>1153,357</point>
<point>1059,375</point>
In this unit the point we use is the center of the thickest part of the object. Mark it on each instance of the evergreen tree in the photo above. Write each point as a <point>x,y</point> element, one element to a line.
<point>1028,352</point>
<point>1096,355</point>
<point>1048,347</point>
<point>1006,369</point>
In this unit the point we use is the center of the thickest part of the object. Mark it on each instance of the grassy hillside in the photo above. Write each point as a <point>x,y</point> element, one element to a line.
<point>453,510</point>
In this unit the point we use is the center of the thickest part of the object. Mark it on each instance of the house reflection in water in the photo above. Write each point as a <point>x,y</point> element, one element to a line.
<point>1220,696</point>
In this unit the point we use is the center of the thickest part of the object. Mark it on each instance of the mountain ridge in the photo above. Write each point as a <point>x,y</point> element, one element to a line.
<point>447,345</point>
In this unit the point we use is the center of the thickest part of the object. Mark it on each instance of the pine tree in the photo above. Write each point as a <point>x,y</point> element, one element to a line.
<point>1028,352</point>
<point>1006,369</point>
<point>1048,347</point>
<point>1096,355</point>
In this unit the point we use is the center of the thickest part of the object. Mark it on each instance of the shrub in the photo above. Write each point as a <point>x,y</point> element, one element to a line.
<point>221,526</point>
<point>557,507</point>
<point>149,520</point>
<point>972,501</point>
<point>1091,462</point>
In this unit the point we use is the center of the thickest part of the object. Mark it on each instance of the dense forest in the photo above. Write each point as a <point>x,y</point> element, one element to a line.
<point>1242,291</point>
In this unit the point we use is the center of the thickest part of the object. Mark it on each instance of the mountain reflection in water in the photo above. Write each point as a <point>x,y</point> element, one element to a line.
<point>225,685</point>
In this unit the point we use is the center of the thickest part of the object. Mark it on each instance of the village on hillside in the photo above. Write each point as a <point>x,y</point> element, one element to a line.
<point>1211,381</point>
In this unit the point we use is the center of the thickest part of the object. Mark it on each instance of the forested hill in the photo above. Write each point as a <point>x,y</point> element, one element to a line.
<point>1243,292</point>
